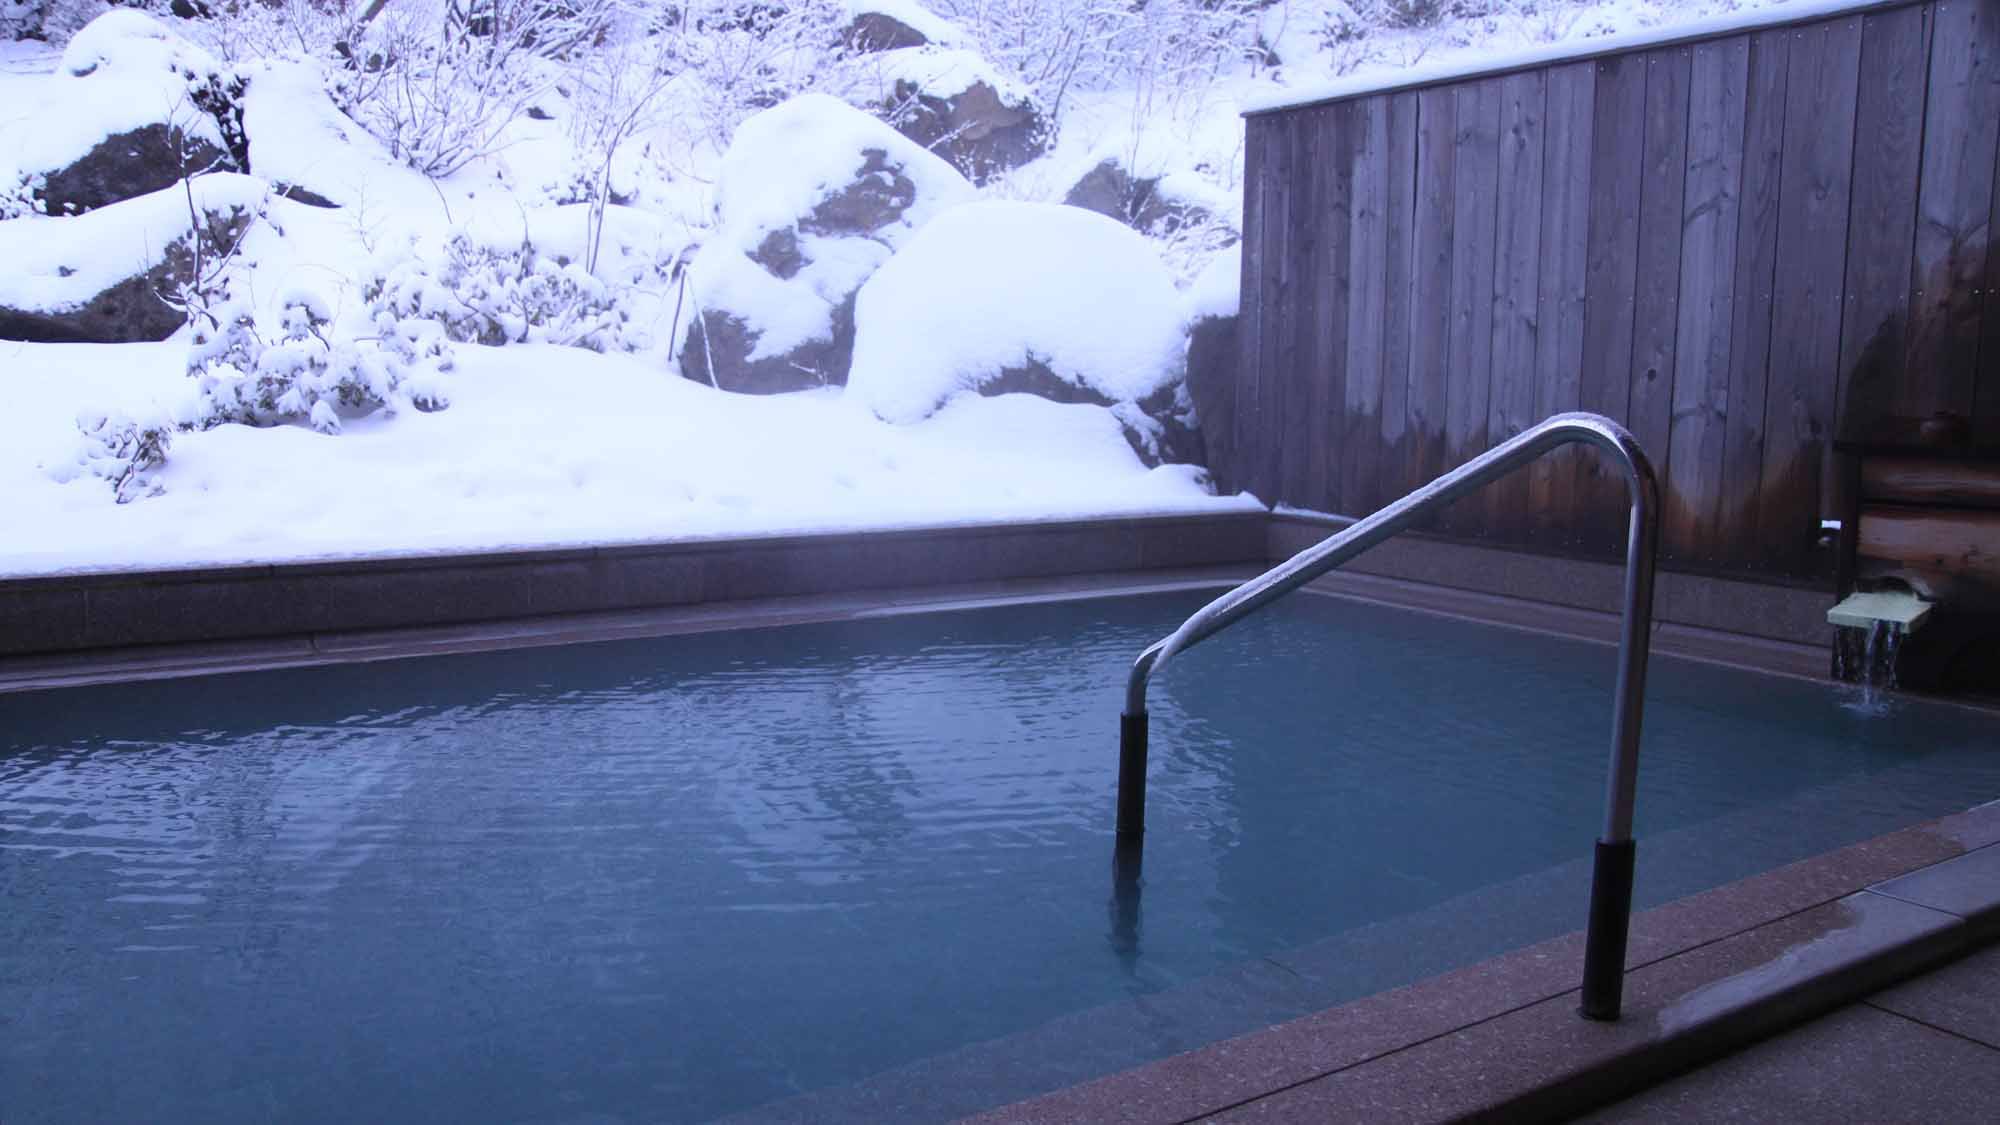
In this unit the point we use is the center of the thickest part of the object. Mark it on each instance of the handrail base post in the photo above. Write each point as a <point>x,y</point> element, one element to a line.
<point>1131,778</point>
<point>1610,925</point>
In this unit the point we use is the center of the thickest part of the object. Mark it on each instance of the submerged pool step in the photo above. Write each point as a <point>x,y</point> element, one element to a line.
<point>1710,975</point>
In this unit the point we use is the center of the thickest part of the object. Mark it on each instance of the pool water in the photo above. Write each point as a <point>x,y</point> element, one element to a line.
<point>772,870</point>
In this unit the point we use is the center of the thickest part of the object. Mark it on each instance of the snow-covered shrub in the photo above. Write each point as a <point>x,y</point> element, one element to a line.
<point>308,372</point>
<point>439,88</point>
<point>480,295</point>
<point>1161,48</point>
<point>22,19</point>
<point>736,58</point>
<point>304,375</point>
<point>123,451</point>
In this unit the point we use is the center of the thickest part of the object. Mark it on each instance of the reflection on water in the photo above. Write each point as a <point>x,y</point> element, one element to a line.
<point>672,879</point>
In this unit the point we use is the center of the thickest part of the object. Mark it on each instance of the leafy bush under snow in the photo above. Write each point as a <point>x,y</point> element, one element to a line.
<point>480,295</point>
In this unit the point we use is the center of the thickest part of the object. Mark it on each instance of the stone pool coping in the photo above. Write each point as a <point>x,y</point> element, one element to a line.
<point>1501,1040</point>
<point>146,624</point>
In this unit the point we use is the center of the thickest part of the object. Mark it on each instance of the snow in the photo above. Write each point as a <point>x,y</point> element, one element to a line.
<point>61,263</point>
<point>945,72</point>
<point>124,71</point>
<point>988,285</point>
<point>1218,289</point>
<point>541,446</point>
<point>298,138</point>
<point>1630,34</point>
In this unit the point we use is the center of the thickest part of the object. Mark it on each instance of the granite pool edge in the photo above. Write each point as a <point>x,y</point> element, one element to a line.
<point>126,609</point>
<point>1501,1040</point>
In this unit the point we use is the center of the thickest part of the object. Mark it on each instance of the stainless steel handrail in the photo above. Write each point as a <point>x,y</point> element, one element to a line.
<point>1611,886</point>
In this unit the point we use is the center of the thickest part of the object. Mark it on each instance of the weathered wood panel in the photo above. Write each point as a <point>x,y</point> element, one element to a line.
<point>1367,304</point>
<point>1430,304</point>
<point>1662,213</point>
<point>1247,436</point>
<point>1567,137</point>
<point>1517,264</point>
<point>1806,300</point>
<point>1321,303</point>
<point>1954,209</point>
<point>1961,544</point>
<point>1700,401</point>
<point>1611,280</point>
<point>1986,410</point>
<point>1473,251</point>
<point>1914,480</point>
<point>1882,220</point>
<point>1400,284</point>
<point>1750,325</point>
<point>1723,243</point>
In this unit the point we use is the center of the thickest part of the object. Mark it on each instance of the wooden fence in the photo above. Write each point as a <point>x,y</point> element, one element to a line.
<point>1743,246</point>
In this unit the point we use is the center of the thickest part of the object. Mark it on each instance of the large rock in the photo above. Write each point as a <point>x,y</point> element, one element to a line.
<point>1028,298</point>
<point>1214,361</point>
<point>132,109</point>
<point>813,196</point>
<point>952,103</point>
<point>107,277</point>
<point>892,25</point>
<point>1155,205</point>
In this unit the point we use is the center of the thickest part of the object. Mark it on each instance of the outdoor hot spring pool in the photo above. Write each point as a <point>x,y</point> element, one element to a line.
<point>861,866</point>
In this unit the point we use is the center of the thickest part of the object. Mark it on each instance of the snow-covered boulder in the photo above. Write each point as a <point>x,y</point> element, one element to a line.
<point>1156,205</point>
<point>813,195</point>
<point>131,109</point>
<point>954,104</point>
<point>1213,301</point>
<point>1001,297</point>
<point>104,277</point>
<point>891,25</point>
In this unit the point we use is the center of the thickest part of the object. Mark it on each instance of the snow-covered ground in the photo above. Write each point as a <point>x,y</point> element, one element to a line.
<point>622,455</point>
<point>544,445</point>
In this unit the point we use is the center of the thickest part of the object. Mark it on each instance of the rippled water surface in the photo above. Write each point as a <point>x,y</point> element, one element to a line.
<point>679,878</point>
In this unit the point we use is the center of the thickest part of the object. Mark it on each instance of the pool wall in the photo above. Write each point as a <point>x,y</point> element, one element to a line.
<point>82,616</point>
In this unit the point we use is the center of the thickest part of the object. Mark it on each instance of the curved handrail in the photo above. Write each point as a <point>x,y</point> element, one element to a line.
<point>1615,848</point>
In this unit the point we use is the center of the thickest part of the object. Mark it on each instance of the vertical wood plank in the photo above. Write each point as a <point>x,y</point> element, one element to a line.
<point>1469,385</point>
<point>1305,379</point>
<point>1820,108</point>
<point>1986,408</point>
<point>1882,219</point>
<point>1750,324</point>
<point>1693,501</point>
<point>1430,305</point>
<point>1516,289</point>
<point>1954,206</point>
<point>1565,248</point>
<point>1367,304</point>
<point>1334,303</point>
<point>1253,314</point>
<point>1401,285</point>
<point>1661,213</point>
<point>1611,281</point>
<point>1278,288</point>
